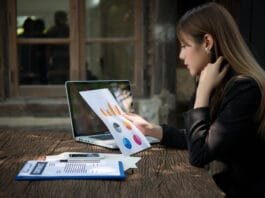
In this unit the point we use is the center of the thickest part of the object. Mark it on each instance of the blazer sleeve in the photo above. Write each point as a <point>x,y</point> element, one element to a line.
<point>235,122</point>
<point>173,137</point>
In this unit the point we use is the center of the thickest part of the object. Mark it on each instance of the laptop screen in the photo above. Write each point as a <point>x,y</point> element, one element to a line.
<point>84,120</point>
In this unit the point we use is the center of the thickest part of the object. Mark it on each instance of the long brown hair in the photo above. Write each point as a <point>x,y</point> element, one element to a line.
<point>214,19</point>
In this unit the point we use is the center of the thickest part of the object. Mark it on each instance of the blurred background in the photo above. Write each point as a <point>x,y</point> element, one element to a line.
<point>45,43</point>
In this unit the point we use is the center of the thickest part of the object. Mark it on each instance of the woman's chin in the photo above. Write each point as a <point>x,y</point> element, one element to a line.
<point>192,73</point>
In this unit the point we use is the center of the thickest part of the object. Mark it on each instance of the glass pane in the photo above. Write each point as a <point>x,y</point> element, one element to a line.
<point>40,63</point>
<point>105,18</point>
<point>110,61</point>
<point>43,64</point>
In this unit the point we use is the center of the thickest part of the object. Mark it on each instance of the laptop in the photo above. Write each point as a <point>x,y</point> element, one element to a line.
<point>86,125</point>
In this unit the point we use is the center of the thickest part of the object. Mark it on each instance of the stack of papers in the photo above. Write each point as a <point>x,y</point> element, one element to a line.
<point>128,161</point>
<point>63,166</point>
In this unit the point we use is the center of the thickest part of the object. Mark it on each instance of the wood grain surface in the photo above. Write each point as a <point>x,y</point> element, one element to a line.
<point>161,172</point>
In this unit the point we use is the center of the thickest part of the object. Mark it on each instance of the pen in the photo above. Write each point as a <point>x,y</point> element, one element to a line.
<point>85,156</point>
<point>79,161</point>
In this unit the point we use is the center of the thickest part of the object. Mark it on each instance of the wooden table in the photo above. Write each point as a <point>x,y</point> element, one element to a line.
<point>161,172</point>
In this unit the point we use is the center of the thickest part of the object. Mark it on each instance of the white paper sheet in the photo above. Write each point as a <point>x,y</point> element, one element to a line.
<point>128,138</point>
<point>45,170</point>
<point>128,161</point>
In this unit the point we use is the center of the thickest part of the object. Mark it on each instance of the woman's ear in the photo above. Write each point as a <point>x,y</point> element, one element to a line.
<point>208,42</point>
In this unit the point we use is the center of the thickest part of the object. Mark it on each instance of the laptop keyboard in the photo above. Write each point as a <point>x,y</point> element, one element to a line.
<point>105,137</point>
<point>110,137</point>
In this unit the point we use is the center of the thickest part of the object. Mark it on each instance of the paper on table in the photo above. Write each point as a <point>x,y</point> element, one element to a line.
<point>127,136</point>
<point>128,161</point>
<point>46,170</point>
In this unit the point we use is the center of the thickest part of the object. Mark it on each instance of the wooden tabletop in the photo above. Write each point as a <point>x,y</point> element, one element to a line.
<point>161,172</point>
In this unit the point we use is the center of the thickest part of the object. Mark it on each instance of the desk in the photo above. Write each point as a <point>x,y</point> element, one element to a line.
<point>161,172</point>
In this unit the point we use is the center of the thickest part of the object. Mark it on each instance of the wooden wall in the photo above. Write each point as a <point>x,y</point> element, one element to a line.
<point>3,26</point>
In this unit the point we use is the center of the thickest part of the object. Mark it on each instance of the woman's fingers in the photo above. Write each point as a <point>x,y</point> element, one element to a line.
<point>219,60</point>
<point>224,70</point>
<point>131,116</point>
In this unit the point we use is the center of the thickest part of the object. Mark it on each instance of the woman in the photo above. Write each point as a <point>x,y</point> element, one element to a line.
<point>227,121</point>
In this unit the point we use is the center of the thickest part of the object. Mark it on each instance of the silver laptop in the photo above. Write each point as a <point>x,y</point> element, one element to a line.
<point>86,125</point>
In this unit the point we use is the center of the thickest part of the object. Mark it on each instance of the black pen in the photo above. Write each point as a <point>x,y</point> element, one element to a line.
<point>79,161</point>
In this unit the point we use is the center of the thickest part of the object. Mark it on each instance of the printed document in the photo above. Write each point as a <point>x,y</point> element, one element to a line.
<point>126,135</point>
<point>46,170</point>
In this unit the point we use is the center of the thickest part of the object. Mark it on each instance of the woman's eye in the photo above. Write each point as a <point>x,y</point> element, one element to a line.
<point>183,46</point>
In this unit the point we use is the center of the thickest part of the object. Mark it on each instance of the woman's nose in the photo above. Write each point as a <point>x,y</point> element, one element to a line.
<point>181,55</point>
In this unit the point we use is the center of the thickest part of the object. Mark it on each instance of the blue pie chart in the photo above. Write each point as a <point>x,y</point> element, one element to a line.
<point>127,143</point>
<point>117,127</point>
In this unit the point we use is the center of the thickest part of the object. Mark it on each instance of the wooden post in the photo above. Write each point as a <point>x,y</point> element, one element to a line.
<point>74,41</point>
<point>138,48</point>
<point>2,44</point>
<point>12,49</point>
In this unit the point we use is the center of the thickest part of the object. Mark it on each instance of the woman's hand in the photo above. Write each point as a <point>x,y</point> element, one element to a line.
<point>210,78</point>
<point>144,126</point>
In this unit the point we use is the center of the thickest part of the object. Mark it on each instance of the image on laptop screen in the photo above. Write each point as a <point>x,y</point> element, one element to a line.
<point>84,120</point>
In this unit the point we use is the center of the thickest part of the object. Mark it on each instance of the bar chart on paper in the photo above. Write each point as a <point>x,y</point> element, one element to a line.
<point>128,138</point>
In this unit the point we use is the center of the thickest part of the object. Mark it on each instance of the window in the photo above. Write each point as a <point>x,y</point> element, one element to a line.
<point>64,40</point>
<point>42,63</point>
<point>110,38</point>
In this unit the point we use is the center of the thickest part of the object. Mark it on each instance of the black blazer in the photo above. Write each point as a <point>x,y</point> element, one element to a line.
<point>231,138</point>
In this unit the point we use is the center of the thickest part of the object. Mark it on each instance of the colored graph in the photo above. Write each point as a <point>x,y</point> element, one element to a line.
<point>128,138</point>
<point>113,110</point>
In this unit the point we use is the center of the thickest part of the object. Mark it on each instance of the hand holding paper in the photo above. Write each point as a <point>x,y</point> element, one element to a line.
<point>128,138</point>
